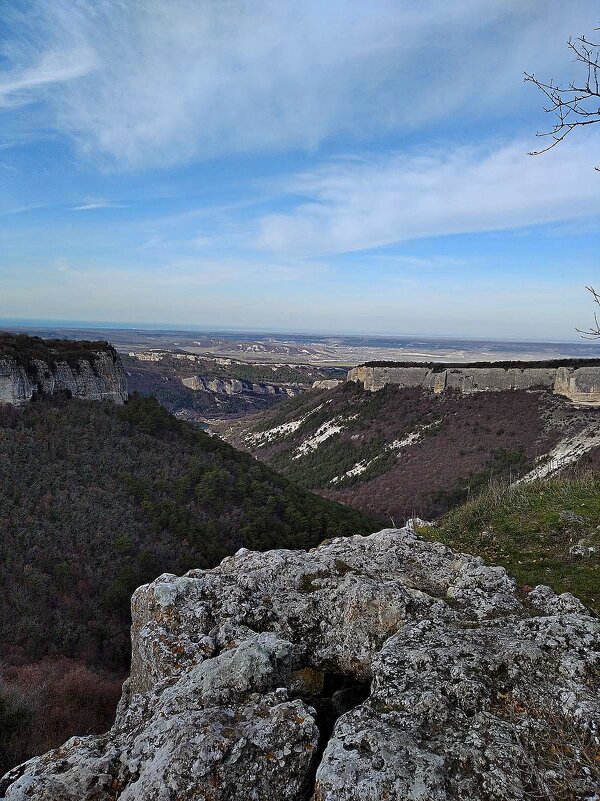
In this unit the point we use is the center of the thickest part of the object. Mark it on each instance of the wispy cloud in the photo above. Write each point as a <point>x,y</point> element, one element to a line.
<point>357,205</point>
<point>91,205</point>
<point>62,265</point>
<point>20,87</point>
<point>162,82</point>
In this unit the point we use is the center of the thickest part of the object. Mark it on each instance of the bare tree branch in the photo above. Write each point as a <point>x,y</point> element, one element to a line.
<point>594,331</point>
<point>573,105</point>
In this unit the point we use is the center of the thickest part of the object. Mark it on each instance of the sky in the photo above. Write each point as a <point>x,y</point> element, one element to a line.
<point>295,165</point>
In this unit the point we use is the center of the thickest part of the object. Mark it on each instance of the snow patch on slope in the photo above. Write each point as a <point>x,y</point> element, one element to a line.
<point>568,451</point>
<point>356,470</point>
<point>323,432</point>
<point>260,438</point>
<point>396,445</point>
<point>411,438</point>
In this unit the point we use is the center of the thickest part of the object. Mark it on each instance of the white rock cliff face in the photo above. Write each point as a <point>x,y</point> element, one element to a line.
<point>579,384</point>
<point>427,674</point>
<point>100,379</point>
<point>233,386</point>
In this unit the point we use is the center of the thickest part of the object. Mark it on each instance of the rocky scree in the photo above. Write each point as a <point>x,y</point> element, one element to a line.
<point>430,675</point>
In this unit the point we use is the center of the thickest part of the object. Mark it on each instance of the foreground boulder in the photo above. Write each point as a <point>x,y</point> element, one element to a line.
<point>371,668</point>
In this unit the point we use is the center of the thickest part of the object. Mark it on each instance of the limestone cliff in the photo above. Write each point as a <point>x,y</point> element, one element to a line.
<point>236,386</point>
<point>370,668</point>
<point>327,383</point>
<point>29,365</point>
<point>578,382</point>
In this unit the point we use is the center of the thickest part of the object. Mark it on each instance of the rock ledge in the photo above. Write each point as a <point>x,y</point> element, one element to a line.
<point>371,668</point>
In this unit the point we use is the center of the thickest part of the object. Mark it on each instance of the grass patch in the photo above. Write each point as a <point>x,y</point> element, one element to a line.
<point>530,528</point>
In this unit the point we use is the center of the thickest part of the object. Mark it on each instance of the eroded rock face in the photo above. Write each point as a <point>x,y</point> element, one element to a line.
<point>235,386</point>
<point>579,384</point>
<point>475,691</point>
<point>100,378</point>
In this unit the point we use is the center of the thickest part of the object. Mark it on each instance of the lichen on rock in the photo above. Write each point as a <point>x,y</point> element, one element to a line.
<point>443,682</point>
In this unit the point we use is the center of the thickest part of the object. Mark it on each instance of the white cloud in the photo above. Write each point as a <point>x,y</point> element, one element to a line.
<point>356,205</point>
<point>161,82</point>
<point>20,87</point>
<point>91,205</point>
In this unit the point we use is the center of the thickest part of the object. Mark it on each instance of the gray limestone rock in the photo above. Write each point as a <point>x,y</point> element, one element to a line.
<point>102,378</point>
<point>469,690</point>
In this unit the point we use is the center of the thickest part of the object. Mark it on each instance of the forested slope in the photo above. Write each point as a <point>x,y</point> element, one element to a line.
<point>96,499</point>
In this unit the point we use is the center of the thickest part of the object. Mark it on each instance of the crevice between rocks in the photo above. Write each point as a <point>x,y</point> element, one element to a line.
<point>331,695</point>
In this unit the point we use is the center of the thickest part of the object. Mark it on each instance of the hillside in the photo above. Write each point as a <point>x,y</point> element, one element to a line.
<point>545,532</point>
<point>401,452</point>
<point>96,499</point>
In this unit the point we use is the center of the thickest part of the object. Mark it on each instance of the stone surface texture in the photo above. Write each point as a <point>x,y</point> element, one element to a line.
<point>102,378</point>
<point>327,383</point>
<point>235,386</point>
<point>473,689</point>
<point>579,384</point>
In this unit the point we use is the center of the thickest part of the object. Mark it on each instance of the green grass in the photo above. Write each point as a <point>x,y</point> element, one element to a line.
<point>529,529</point>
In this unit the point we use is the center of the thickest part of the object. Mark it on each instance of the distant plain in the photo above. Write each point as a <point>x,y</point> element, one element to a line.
<point>317,349</point>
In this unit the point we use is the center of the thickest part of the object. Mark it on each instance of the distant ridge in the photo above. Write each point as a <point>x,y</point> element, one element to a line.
<point>499,363</point>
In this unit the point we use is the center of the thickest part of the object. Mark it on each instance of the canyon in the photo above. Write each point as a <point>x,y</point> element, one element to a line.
<point>404,451</point>
<point>369,666</point>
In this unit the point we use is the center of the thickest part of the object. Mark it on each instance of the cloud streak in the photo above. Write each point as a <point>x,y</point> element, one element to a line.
<point>162,82</point>
<point>359,205</point>
<point>20,87</point>
<point>92,205</point>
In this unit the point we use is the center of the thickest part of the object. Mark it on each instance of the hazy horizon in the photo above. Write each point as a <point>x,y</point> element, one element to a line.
<point>108,325</point>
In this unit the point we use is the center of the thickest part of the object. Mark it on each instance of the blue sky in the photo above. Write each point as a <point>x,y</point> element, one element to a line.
<point>294,165</point>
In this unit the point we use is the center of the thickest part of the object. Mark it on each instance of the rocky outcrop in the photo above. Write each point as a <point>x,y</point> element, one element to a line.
<point>235,386</point>
<point>327,383</point>
<point>578,383</point>
<point>97,377</point>
<point>371,668</point>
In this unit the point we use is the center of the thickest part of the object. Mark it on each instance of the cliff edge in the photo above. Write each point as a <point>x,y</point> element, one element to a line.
<point>577,380</point>
<point>370,668</point>
<point>31,365</point>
